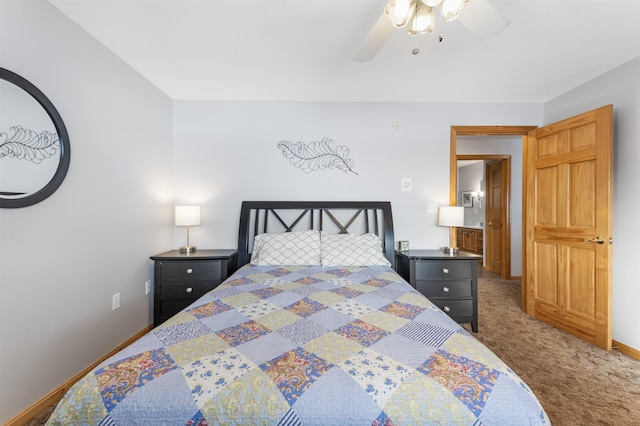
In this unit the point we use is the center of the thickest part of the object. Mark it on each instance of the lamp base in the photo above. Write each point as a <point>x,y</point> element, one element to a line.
<point>187,249</point>
<point>450,250</point>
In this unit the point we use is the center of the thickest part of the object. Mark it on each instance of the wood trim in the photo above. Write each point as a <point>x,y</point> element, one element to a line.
<point>492,130</point>
<point>482,157</point>
<point>527,222</point>
<point>453,177</point>
<point>56,395</point>
<point>627,350</point>
<point>453,167</point>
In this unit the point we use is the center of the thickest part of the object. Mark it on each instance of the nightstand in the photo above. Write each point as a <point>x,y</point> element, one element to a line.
<point>180,279</point>
<point>450,281</point>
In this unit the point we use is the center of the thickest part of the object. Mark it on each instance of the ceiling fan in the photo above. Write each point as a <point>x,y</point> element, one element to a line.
<point>478,16</point>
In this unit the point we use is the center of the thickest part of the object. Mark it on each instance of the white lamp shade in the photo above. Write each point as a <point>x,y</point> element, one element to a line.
<point>451,216</point>
<point>187,215</point>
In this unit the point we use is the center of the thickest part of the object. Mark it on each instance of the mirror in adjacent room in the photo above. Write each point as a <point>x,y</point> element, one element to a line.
<point>34,144</point>
<point>471,186</point>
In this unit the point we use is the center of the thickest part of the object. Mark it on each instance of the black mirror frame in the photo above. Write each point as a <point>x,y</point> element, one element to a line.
<point>63,136</point>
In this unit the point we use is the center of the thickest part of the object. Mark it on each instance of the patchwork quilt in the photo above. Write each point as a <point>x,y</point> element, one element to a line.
<point>297,345</point>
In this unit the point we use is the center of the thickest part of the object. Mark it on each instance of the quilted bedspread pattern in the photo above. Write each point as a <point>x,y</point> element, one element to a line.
<point>305,346</point>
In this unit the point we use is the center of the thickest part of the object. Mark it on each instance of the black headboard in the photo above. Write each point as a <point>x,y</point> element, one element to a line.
<point>360,217</point>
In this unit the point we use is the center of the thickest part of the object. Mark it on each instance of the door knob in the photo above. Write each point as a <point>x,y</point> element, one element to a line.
<point>490,223</point>
<point>597,240</point>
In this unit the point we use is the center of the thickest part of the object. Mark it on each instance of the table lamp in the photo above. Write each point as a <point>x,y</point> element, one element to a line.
<point>187,216</point>
<point>451,216</point>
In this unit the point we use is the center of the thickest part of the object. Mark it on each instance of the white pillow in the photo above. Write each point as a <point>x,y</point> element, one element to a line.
<point>351,250</point>
<point>288,248</point>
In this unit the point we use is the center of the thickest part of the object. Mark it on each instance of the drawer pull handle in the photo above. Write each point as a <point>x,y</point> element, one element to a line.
<point>445,289</point>
<point>189,289</point>
<point>446,309</point>
<point>189,271</point>
<point>445,271</point>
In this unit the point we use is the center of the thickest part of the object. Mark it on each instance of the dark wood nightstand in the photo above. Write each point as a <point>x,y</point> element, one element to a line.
<point>180,279</point>
<point>450,281</point>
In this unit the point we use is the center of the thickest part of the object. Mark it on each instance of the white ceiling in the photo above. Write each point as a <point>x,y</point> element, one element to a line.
<point>301,50</point>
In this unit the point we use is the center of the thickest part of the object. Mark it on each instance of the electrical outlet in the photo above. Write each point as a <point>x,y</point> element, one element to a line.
<point>432,208</point>
<point>147,287</point>
<point>115,301</point>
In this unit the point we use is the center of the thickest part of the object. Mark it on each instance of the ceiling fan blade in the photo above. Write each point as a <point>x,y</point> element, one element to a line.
<point>374,41</point>
<point>482,19</point>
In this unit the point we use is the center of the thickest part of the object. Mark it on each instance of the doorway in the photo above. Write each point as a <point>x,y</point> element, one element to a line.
<point>503,230</point>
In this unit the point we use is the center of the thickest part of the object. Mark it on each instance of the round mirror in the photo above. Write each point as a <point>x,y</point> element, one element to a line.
<point>34,144</point>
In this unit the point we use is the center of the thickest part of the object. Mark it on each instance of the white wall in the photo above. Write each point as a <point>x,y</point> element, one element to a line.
<point>226,152</point>
<point>61,260</point>
<point>620,87</point>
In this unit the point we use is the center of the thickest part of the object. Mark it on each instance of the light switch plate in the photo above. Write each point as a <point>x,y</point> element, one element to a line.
<point>432,208</point>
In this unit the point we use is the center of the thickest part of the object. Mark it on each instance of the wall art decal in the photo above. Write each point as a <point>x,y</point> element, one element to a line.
<point>318,155</point>
<point>25,144</point>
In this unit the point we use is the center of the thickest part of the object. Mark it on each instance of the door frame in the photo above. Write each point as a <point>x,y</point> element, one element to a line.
<point>522,131</point>
<point>506,240</point>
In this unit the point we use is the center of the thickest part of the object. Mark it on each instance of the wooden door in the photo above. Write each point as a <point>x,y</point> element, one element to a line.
<point>495,212</point>
<point>568,210</point>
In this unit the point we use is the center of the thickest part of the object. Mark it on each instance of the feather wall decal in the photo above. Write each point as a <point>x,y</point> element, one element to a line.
<point>25,144</point>
<point>318,155</point>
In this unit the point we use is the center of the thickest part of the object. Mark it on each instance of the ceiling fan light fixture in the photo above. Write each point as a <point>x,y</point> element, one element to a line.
<point>399,11</point>
<point>480,18</point>
<point>450,9</point>
<point>432,3</point>
<point>423,20</point>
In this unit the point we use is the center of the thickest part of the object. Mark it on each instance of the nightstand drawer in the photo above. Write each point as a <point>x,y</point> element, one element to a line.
<point>455,308</point>
<point>190,270</point>
<point>443,269</point>
<point>446,289</point>
<point>186,290</point>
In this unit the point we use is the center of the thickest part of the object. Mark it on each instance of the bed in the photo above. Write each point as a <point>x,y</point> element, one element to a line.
<point>314,328</point>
